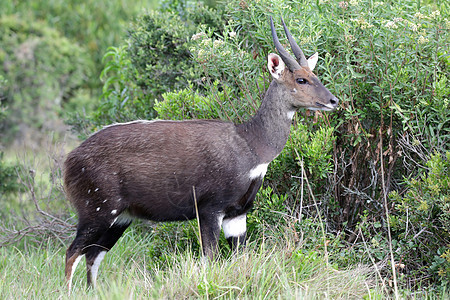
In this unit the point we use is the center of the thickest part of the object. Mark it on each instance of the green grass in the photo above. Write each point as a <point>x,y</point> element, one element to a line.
<point>258,272</point>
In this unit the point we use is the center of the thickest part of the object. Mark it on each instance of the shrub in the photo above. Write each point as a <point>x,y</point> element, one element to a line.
<point>156,60</point>
<point>189,103</point>
<point>313,149</point>
<point>269,212</point>
<point>8,176</point>
<point>168,66</point>
<point>83,31</point>
<point>9,183</point>
<point>44,72</point>
<point>421,221</point>
<point>93,24</point>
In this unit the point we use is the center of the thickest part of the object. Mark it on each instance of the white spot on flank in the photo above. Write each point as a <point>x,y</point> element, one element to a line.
<point>114,211</point>
<point>235,227</point>
<point>105,200</point>
<point>95,265</point>
<point>89,191</point>
<point>87,202</point>
<point>290,114</point>
<point>82,169</point>
<point>258,171</point>
<point>98,208</point>
<point>96,190</point>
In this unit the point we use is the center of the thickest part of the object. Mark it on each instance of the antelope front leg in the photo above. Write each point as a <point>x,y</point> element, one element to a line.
<point>210,231</point>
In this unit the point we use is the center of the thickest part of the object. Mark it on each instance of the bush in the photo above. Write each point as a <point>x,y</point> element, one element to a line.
<point>421,221</point>
<point>93,24</point>
<point>8,176</point>
<point>9,182</point>
<point>313,149</point>
<point>189,103</point>
<point>269,212</point>
<point>168,66</point>
<point>156,60</point>
<point>81,31</point>
<point>44,72</point>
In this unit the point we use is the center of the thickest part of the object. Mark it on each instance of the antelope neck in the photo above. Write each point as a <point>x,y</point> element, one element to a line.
<point>267,132</point>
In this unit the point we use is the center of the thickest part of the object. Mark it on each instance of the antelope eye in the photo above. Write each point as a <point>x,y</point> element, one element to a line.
<point>301,81</point>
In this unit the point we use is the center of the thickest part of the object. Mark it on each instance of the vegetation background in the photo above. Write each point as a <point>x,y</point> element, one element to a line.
<point>356,206</point>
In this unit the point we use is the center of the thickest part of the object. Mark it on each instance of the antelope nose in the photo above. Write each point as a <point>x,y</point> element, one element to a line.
<point>334,101</point>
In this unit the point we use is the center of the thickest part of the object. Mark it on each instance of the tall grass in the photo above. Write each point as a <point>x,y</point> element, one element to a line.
<point>264,271</point>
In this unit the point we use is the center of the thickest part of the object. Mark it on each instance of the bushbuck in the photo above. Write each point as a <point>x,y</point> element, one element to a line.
<point>179,170</point>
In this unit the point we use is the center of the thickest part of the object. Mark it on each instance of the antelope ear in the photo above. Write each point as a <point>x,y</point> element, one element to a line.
<point>276,65</point>
<point>312,61</point>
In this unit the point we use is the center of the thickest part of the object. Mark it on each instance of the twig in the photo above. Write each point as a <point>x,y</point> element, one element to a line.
<point>373,261</point>
<point>198,219</point>
<point>394,273</point>
<point>317,208</point>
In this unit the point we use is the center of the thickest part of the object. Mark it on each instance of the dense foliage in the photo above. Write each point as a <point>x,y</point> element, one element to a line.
<point>50,53</point>
<point>43,70</point>
<point>95,25</point>
<point>156,60</point>
<point>8,177</point>
<point>421,220</point>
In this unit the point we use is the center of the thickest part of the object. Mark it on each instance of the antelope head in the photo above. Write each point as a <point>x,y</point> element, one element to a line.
<point>301,87</point>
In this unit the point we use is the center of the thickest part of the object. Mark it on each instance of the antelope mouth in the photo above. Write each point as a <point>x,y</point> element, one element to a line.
<point>325,106</point>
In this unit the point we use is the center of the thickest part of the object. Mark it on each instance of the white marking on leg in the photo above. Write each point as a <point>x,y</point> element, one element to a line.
<point>98,208</point>
<point>114,221</point>
<point>74,266</point>
<point>95,265</point>
<point>259,171</point>
<point>114,211</point>
<point>235,227</point>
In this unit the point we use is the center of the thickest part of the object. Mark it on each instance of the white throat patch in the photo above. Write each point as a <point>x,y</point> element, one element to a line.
<point>258,171</point>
